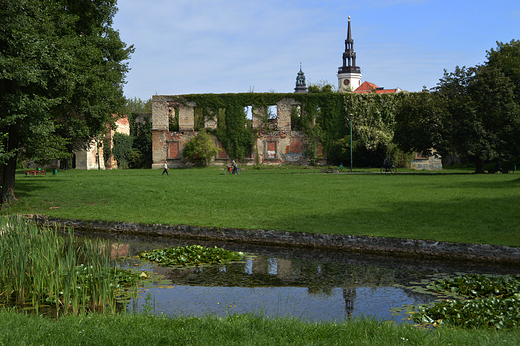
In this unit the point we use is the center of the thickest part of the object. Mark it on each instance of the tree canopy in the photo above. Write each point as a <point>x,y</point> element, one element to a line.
<point>472,112</point>
<point>62,68</point>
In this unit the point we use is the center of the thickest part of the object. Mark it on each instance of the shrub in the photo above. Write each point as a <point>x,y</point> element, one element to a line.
<point>200,149</point>
<point>122,149</point>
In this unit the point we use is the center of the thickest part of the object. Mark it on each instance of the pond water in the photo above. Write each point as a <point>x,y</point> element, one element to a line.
<point>280,281</point>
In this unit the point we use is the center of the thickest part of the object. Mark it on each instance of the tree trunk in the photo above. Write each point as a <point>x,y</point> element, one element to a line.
<point>8,170</point>
<point>7,179</point>
<point>479,165</point>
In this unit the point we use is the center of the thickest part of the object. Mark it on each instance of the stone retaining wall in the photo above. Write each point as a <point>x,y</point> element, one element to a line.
<point>410,247</point>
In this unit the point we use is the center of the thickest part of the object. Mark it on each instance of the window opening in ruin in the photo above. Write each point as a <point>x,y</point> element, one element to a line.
<point>296,118</point>
<point>248,110</point>
<point>173,119</point>
<point>272,120</point>
<point>198,121</point>
<point>271,150</point>
<point>272,112</point>
<point>173,150</point>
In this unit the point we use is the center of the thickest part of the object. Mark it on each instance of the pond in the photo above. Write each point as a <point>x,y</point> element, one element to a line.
<point>279,281</point>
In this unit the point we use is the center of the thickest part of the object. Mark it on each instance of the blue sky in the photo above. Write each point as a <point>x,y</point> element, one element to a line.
<point>210,46</point>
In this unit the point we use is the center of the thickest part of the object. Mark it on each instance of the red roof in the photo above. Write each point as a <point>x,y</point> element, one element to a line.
<point>367,87</point>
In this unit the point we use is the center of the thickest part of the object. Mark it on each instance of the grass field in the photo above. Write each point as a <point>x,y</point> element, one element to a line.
<point>123,329</point>
<point>453,207</point>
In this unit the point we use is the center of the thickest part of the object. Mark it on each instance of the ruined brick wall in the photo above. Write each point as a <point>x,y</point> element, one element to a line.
<point>427,163</point>
<point>276,143</point>
<point>88,159</point>
<point>281,147</point>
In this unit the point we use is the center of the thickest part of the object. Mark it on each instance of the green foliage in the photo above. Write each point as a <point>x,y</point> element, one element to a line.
<point>122,149</point>
<point>472,112</point>
<point>193,255</point>
<point>479,286</point>
<point>322,86</point>
<point>136,105</point>
<point>142,144</point>
<point>234,329</point>
<point>107,151</point>
<point>62,68</point>
<point>173,120</point>
<point>39,268</point>
<point>505,58</point>
<point>493,301</point>
<point>200,149</point>
<point>323,116</point>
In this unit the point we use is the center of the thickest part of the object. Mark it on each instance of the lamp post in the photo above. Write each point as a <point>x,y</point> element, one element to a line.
<point>351,115</point>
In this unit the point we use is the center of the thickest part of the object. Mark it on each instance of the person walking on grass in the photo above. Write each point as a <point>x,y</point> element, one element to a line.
<point>165,170</point>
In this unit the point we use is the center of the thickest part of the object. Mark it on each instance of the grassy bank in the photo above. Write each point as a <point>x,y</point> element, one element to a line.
<point>94,329</point>
<point>446,207</point>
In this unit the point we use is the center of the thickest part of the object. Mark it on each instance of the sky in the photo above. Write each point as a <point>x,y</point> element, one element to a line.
<point>233,46</point>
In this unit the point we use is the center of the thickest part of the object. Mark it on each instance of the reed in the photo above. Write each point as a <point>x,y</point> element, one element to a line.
<point>42,268</point>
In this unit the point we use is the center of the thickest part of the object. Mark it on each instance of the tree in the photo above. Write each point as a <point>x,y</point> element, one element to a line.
<point>200,149</point>
<point>321,87</point>
<point>142,134</point>
<point>417,122</point>
<point>122,149</point>
<point>506,58</point>
<point>472,112</point>
<point>62,67</point>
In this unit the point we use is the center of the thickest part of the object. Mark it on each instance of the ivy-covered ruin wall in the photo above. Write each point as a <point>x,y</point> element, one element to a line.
<point>305,128</point>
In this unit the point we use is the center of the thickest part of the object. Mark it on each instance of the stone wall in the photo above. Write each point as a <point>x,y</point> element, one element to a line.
<point>429,163</point>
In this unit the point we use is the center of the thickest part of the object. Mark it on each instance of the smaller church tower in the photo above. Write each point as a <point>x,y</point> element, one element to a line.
<point>349,75</point>
<point>301,85</point>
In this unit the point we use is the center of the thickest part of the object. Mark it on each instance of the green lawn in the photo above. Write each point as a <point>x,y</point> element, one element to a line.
<point>141,330</point>
<point>454,207</point>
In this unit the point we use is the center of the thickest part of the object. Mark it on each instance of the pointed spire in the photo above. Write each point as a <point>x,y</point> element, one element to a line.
<point>349,33</point>
<point>349,56</point>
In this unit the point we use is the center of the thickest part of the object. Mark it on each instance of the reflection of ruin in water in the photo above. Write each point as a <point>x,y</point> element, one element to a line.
<point>351,277</point>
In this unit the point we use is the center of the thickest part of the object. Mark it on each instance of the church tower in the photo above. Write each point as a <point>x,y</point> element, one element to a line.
<point>349,75</point>
<point>301,85</point>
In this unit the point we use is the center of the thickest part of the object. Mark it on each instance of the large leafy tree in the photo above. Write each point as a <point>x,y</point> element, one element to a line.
<point>62,67</point>
<point>472,112</point>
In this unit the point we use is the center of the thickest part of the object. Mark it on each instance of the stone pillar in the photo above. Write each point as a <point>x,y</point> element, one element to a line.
<point>160,126</point>
<point>186,117</point>
<point>160,119</point>
<point>284,114</point>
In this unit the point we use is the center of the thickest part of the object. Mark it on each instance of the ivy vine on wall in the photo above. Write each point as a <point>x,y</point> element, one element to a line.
<point>322,116</point>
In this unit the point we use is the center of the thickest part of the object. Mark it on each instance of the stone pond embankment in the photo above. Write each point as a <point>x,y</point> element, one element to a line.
<point>394,246</point>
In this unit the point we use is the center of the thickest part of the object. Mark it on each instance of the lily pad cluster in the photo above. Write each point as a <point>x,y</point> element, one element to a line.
<point>193,255</point>
<point>481,301</point>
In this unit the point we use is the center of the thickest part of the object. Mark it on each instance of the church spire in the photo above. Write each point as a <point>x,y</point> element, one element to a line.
<point>349,75</point>
<point>349,56</point>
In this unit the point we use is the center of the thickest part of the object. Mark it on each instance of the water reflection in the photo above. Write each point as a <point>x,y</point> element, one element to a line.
<point>308,284</point>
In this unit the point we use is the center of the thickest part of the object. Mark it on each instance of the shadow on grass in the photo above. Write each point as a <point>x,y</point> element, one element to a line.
<point>478,220</point>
